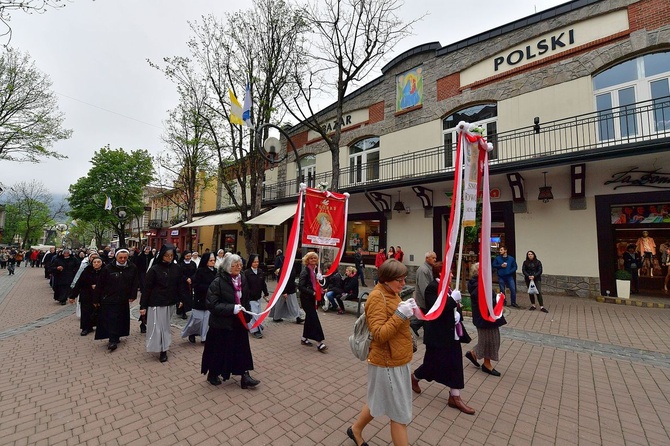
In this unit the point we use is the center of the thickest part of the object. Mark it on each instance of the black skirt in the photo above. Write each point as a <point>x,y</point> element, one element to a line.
<point>227,352</point>
<point>444,365</point>
<point>113,321</point>
<point>312,328</point>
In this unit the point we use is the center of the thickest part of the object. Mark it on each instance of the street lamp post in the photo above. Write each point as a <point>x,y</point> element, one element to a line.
<point>122,215</point>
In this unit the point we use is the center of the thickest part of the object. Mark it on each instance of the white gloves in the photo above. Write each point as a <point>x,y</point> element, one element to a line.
<point>405,308</point>
<point>319,277</point>
<point>456,295</point>
<point>238,308</point>
<point>457,316</point>
<point>412,303</point>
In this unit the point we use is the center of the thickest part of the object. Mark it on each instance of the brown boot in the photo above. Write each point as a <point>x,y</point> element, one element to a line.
<point>457,402</point>
<point>415,384</point>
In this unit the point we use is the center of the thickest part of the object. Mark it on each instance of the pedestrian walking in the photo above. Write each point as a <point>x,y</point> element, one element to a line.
<point>165,287</point>
<point>46,262</point>
<point>389,382</point>
<point>424,276</point>
<point>227,350</point>
<point>198,322</point>
<point>87,288</point>
<point>379,259</point>
<point>118,285</point>
<point>309,297</point>
<point>359,263</point>
<point>287,305</point>
<point>532,270</point>
<point>188,268</point>
<point>64,270</point>
<point>506,267</point>
<point>488,333</point>
<point>257,288</point>
<point>443,360</point>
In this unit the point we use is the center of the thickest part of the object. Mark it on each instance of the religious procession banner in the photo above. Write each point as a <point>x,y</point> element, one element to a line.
<point>325,218</point>
<point>471,174</point>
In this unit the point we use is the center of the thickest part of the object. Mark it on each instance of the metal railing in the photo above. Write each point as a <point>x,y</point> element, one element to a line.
<point>646,121</point>
<point>156,224</point>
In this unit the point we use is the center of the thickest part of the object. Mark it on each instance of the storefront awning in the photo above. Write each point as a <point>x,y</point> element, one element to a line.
<point>228,218</point>
<point>274,217</point>
<point>179,225</point>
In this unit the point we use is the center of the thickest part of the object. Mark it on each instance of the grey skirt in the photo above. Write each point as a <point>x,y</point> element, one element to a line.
<point>197,325</point>
<point>159,336</point>
<point>286,308</point>
<point>390,392</point>
<point>488,343</point>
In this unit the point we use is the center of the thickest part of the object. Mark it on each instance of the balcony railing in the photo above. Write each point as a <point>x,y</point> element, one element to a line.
<point>156,224</point>
<point>640,122</point>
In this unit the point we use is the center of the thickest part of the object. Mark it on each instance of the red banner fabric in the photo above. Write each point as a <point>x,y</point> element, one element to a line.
<point>324,215</point>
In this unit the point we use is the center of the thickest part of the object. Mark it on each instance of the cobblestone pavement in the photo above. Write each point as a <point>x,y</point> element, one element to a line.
<point>586,373</point>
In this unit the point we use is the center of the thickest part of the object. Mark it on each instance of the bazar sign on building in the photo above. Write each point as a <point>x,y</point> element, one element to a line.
<point>354,118</point>
<point>547,45</point>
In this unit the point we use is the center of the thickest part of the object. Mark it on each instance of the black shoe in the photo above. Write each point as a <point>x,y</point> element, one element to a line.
<point>183,316</point>
<point>143,328</point>
<point>84,332</point>
<point>257,335</point>
<point>493,372</point>
<point>515,305</point>
<point>247,381</point>
<point>112,346</point>
<point>213,380</point>
<point>350,434</point>
<point>63,302</point>
<point>278,320</point>
<point>163,357</point>
<point>544,310</point>
<point>191,339</point>
<point>472,359</point>
<point>364,285</point>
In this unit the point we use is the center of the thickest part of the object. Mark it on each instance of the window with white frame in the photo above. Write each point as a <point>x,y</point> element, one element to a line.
<point>307,172</point>
<point>226,199</point>
<point>484,115</point>
<point>620,90</point>
<point>364,160</point>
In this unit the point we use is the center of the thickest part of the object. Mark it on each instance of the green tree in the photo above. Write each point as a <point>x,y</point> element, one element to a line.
<point>28,212</point>
<point>30,121</point>
<point>116,174</point>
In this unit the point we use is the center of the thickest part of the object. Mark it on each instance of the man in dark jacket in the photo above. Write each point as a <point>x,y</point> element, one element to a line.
<point>64,269</point>
<point>360,265</point>
<point>119,282</point>
<point>506,266</point>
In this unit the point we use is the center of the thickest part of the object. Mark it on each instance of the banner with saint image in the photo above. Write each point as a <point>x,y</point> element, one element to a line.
<point>325,218</point>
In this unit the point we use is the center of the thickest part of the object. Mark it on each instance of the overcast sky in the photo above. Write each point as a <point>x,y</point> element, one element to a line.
<point>95,53</point>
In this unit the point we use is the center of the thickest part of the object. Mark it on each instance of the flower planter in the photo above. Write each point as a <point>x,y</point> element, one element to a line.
<point>623,289</point>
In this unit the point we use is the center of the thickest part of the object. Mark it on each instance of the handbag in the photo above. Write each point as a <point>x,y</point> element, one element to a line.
<point>532,289</point>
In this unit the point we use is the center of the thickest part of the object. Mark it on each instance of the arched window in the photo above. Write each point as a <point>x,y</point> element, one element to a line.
<point>485,115</point>
<point>364,160</point>
<point>619,90</point>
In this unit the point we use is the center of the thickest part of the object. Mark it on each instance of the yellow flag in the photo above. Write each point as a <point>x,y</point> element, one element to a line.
<point>235,109</point>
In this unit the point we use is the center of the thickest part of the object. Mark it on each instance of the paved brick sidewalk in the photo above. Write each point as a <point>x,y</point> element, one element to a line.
<point>586,373</point>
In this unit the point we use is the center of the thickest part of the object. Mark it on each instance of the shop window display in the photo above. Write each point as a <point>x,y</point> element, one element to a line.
<point>647,228</point>
<point>363,234</point>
